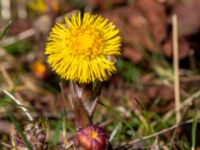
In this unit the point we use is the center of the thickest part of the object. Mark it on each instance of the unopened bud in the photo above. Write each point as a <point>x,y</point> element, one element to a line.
<point>92,137</point>
<point>39,69</point>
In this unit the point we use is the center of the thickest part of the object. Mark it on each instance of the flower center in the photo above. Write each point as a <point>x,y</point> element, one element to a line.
<point>93,134</point>
<point>85,42</point>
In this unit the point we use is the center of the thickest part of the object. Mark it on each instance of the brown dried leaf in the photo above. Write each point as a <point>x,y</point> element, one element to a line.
<point>188,17</point>
<point>154,12</point>
<point>138,97</point>
<point>152,91</point>
<point>133,54</point>
<point>19,26</point>
<point>133,27</point>
<point>184,48</point>
<point>166,92</point>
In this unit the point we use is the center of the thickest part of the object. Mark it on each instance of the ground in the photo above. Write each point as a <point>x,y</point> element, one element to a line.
<point>137,105</point>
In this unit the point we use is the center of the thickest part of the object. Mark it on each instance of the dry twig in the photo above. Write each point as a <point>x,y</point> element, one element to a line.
<point>153,135</point>
<point>176,67</point>
<point>21,36</point>
<point>20,105</point>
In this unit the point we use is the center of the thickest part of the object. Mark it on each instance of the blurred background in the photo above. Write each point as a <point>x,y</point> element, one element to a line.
<point>142,91</point>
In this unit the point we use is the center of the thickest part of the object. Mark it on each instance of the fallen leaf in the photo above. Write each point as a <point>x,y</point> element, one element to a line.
<point>133,54</point>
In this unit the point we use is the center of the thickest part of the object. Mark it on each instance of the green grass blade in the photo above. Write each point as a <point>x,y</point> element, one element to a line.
<point>20,131</point>
<point>116,113</point>
<point>194,128</point>
<point>5,29</point>
<point>57,130</point>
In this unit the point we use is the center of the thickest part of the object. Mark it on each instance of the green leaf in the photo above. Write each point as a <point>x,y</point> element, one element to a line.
<point>5,29</point>
<point>128,71</point>
<point>19,47</point>
<point>194,128</point>
<point>20,131</point>
<point>57,130</point>
<point>117,114</point>
<point>5,101</point>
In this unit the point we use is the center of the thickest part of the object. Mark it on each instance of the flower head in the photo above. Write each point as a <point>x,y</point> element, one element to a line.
<point>42,6</point>
<point>81,49</point>
<point>92,137</point>
<point>39,69</point>
<point>38,6</point>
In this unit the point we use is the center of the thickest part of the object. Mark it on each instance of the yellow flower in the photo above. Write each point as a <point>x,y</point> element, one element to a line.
<point>39,69</point>
<point>38,6</point>
<point>42,6</point>
<point>81,49</point>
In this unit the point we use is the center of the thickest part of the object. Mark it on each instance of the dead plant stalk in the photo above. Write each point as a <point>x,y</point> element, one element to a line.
<point>176,67</point>
<point>24,109</point>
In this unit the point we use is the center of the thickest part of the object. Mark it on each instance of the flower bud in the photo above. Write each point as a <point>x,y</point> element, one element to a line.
<point>92,137</point>
<point>39,69</point>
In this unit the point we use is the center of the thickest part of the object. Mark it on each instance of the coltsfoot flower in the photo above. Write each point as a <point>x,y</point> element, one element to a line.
<point>42,6</point>
<point>92,137</point>
<point>81,50</point>
<point>39,69</point>
<point>38,6</point>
